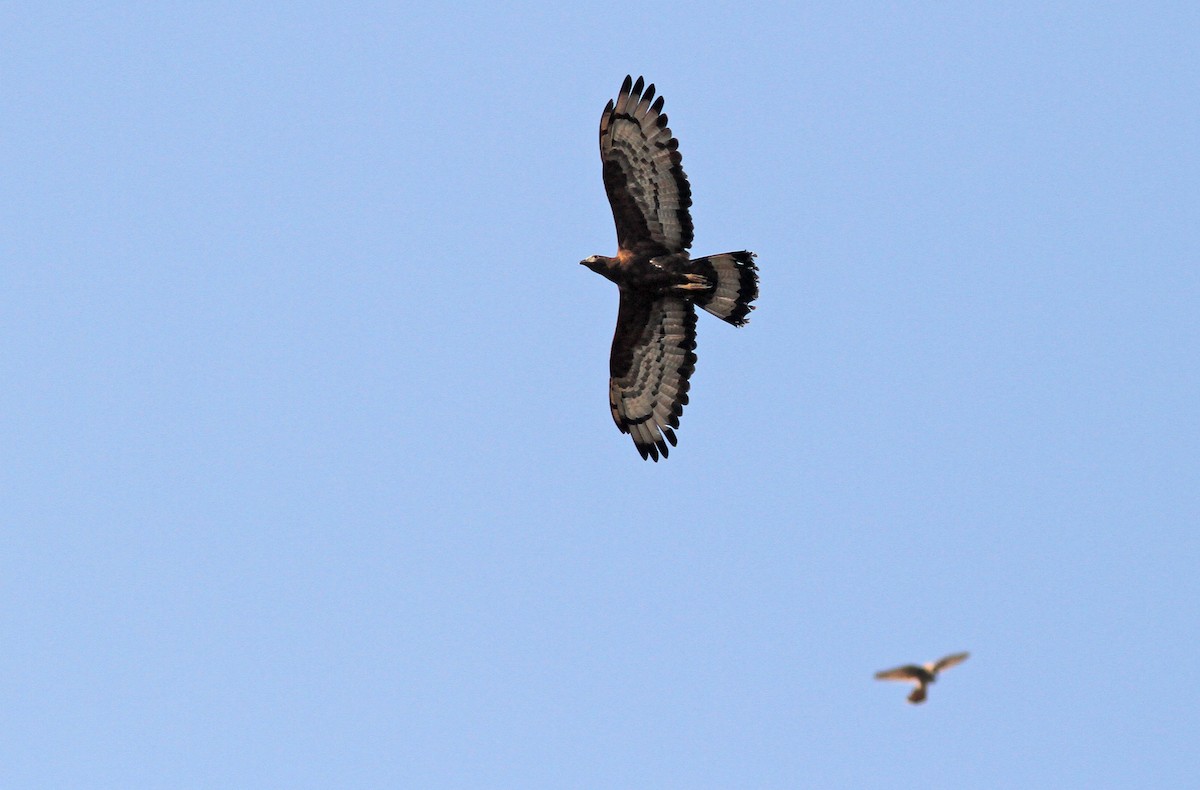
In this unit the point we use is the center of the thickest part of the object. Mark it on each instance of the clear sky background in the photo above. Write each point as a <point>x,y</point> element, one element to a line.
<point>308,473</point>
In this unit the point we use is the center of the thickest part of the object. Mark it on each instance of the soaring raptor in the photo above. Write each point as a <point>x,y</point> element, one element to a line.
<point>653,349</point>
<point>921,675</point>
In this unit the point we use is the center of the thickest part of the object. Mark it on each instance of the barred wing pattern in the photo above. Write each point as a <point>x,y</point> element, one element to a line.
<point>653,355</point>
<point>643,174</point>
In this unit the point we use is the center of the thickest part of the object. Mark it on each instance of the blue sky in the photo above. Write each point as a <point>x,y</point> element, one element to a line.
<point>309,475</point>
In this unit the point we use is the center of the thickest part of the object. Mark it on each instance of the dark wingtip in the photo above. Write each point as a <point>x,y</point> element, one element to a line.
<point>657,449</point>
<point>637,86</point>
<point>626,84</point>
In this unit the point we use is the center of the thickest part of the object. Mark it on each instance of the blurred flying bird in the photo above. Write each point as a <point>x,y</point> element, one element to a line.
<point>921,675</point>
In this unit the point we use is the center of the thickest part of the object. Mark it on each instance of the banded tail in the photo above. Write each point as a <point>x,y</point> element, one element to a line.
<point>736,279</point>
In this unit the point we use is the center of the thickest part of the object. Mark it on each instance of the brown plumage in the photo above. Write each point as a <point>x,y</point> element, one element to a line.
<point>653,351</point>
<point>921,675</point>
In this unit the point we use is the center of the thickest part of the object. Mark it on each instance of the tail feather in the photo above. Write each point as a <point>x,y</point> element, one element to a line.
<point>735,279</point>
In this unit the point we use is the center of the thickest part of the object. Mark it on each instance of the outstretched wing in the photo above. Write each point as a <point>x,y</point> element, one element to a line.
<point>908,672</point>
<point>950,661</point>
<point>653,355</point>
<point>643,176</point>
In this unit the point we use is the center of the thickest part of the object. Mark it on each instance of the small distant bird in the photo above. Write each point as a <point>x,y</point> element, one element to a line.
<point>921,676</point>
<point>654,348</point>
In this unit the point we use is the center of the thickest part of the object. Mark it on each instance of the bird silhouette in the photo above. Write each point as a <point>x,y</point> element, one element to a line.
<point>921,675</point>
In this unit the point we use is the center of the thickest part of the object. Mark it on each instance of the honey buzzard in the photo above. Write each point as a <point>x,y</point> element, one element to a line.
<point>921,675</point>
<point>653,349</point>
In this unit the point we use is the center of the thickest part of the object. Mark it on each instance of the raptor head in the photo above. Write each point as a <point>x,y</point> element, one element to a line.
<point>597,263</point>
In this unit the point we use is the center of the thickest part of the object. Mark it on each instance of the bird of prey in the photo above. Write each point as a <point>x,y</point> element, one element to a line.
<point>653,349</point>
<point>921,676</point>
